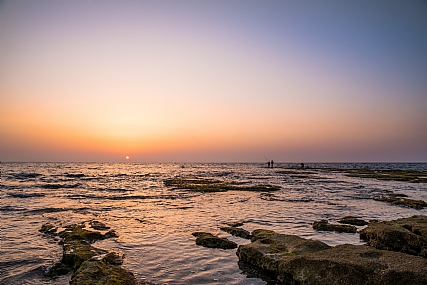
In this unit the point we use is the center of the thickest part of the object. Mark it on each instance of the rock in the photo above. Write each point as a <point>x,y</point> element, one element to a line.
<point>102,273</point>
<point>77,232</point>
<point>212,185</point>
<point>76,247</point>
<point>398,199</point>
<point>113,258</point>
<point>57,269</point>
<point>408,235</point>
<point>98,226</point>
<point>294,260</point>
<point>48,229</point>
<point>324,225</point>
<point>237,232</point>
<point>350,220</point>
<point>209,240</point>
<point>76,252</point>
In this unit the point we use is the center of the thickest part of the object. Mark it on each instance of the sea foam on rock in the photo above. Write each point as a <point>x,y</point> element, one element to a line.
<point>294,260</point>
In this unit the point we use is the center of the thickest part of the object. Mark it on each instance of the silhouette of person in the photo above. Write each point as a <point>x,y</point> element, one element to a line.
<point>302,165</point>
<point>272,162</point>
<point>268,164</point>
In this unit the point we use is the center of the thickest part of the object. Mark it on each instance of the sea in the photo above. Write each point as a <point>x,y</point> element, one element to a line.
<point>155,223</point>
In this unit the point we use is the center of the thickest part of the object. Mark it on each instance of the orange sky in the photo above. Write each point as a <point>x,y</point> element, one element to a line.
<point>213,81</point>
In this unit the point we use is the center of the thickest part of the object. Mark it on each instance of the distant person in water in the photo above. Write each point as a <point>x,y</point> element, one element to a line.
<point>268,164</point>
<point>272,163</point>
<point>302,165</point>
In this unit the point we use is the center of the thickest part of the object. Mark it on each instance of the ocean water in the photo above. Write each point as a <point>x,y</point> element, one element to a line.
<point>154,223</point>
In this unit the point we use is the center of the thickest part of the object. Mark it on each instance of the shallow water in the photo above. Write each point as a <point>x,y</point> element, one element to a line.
<point>155,223</point>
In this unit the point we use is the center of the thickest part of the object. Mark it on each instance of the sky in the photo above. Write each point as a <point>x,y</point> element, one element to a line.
<point>213,81</point>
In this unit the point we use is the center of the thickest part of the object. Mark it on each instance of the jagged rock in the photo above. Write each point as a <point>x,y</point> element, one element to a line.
<point>237,232</point>
<point>324,225</point>
<point>294,260</point>
<point>350,220</point>
<point>209,240</point>
<point>102,273</point>
<point>408,235</point>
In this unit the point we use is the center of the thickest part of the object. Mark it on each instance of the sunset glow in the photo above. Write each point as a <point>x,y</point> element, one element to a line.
<point>217,81</point>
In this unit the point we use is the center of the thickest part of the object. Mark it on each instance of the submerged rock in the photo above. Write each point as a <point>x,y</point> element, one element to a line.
<point>408,235</point>
<point>209,240</point>
<point>399,199</point>
<point>324,225</point>
<point>355,221</point>
<point>294,260</point>
<point>213,185</point>
<point>237,232</point>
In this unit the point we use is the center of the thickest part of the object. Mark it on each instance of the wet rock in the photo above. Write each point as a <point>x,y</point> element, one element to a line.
<point>355,221</point>
<point>399,199</point>
<point>48,229</point>
<point>213,185</point>
<point>78,251</point>
<point>324,225</point>
<point>209,240</point>
<point>77,232</point>
<point>413,176</point>
<point>294,260</point>
<point>76,247</point>
<point>102,273</point>
<point>408,235</point>
<point>98,226</point>
<point>237,232</point>
<point>57,269</point>
<point>113,258</point>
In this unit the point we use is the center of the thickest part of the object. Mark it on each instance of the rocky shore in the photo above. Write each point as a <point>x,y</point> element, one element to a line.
<point>397,256</point>
<point>396,253</point>
<point>90,265</point>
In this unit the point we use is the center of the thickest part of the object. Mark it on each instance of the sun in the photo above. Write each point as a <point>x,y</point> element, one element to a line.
<point>127,157</point>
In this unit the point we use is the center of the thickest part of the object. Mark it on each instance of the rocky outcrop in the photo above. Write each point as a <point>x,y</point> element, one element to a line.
<point>102,273</point>
<point>91,265</point>
<point>209,240</point>
<point>294,260</point>
<point>324,225</point>
<point>408,235</point>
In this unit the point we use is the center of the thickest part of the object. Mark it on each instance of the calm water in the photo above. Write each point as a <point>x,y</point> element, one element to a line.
<point>155,223</point>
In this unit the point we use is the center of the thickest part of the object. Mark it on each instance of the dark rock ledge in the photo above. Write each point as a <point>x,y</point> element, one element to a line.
<point>211,241</point>
<point>90,265</point>
<point>408,235</point>
<point>295,261</point>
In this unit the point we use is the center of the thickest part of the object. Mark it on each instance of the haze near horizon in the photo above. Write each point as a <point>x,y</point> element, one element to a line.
<point>213,81</point>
